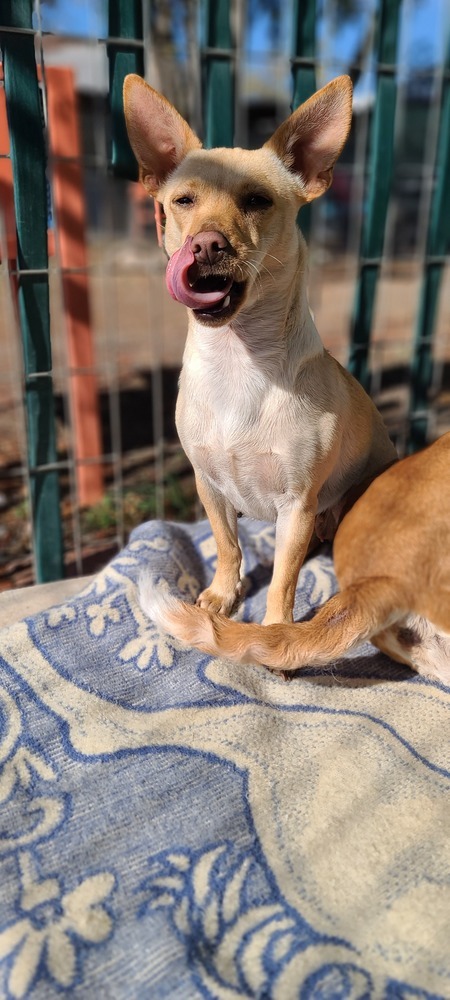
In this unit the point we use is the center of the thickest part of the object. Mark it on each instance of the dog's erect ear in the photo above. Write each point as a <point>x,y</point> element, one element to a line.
<point>310,141</point>
<point>159,136</point>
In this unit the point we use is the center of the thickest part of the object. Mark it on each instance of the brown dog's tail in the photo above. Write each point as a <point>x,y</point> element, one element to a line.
<point>346,620</point>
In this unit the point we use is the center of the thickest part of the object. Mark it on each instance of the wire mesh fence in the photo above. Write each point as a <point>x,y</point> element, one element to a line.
<point>91,343</point>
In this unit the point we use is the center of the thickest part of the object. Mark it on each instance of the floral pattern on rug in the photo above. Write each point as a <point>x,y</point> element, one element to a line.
<point>174,826</point>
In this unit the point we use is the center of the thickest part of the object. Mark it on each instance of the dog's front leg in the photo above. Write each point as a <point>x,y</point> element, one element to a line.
<point>225,587</point>
<point>294,529</point>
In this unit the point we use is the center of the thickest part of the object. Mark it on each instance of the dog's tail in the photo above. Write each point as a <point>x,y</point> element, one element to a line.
<point>347,619</point>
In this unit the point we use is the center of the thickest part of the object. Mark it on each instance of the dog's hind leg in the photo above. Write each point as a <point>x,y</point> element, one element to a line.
<point>420,644</point>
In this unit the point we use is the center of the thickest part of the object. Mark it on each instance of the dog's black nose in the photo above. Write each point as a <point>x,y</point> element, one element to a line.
<point>209,247</point>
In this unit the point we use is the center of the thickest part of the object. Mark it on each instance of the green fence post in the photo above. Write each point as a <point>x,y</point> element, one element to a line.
<point>303,65</point>
<point>381,151</point>
<point>28,159</point>
<point>218,74</point>
<point>437,246</point>
<point>125,22</point>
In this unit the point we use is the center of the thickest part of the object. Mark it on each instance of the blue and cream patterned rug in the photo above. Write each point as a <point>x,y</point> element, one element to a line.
<point>173,826</point>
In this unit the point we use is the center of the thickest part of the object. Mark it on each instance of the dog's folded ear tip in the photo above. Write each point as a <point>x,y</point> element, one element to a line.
<point>348,84</point>
<point>131,79</point>
<point>130,85</point>
<point>345,79</point>
<point>340,85</point>
<point>135,83</point>
<point>343,84</point>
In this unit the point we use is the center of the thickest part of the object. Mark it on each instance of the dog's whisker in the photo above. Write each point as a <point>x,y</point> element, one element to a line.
<point>261,254</point>
<point>250,263</point>
<point>264,253</point>
<point>267,271</point>
<point>259,268</point>
<point>245,267</point>
<point>257,280</point>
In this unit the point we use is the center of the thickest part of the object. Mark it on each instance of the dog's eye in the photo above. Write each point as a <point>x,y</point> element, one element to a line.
<point>184,199</point>
<point>255,202</point>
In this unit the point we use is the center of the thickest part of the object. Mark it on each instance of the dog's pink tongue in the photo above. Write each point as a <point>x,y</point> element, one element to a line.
<point>178,284</point>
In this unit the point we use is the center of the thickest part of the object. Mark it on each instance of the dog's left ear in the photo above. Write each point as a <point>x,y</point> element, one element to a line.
<point>159,136</point>
<point>311,139</point>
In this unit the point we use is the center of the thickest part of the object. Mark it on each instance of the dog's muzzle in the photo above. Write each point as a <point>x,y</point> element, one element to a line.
<point>197,275</point>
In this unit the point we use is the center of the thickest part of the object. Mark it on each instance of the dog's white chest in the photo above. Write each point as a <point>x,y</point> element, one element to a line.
<point>239,431</point>
<point>253,481</point>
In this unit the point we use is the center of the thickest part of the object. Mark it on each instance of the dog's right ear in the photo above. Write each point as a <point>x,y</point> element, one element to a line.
<point>159,136</point>
<point>310,141</point>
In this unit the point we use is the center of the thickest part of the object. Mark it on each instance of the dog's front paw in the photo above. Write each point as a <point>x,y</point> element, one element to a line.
<point>218,603</point>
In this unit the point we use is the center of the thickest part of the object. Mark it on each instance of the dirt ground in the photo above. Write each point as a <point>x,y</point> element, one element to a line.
<point>139,335</point>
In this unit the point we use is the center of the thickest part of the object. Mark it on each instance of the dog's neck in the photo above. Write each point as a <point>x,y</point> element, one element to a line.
<point>276,326</point>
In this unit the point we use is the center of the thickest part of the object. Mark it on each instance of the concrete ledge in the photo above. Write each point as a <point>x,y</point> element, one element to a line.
<point>18,604</point>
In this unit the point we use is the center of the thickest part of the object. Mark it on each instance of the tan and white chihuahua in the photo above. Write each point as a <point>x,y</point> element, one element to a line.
<point>274,427</point>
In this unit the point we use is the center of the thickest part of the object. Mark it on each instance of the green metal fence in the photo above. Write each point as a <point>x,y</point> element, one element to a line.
<point>28,161</point>
<point>220,53</point>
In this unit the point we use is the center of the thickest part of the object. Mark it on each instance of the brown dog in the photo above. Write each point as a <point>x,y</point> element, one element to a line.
<point>272,424</point>
<point>392,560</point>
